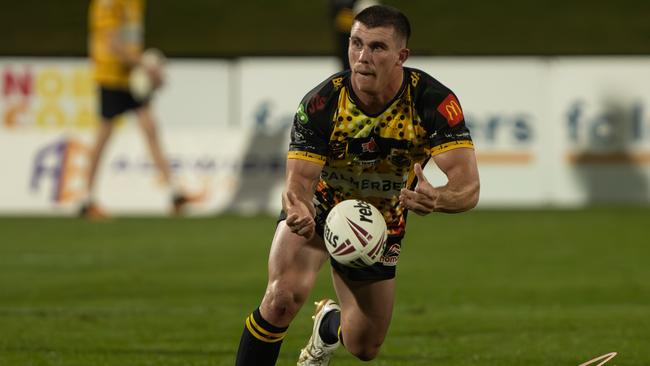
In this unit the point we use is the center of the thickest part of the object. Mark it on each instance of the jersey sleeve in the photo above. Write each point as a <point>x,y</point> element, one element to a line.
<point>444,118</point>
<point>312,125</point>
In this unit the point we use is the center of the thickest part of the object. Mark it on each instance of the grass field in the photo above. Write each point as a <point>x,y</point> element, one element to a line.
<point>482,288</point>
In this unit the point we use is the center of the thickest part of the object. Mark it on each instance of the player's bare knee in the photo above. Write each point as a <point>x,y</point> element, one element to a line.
<point>364,352</point>
<point>281,304</point>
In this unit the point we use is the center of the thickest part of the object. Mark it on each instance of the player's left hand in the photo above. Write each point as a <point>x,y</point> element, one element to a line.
<point>422,199</point>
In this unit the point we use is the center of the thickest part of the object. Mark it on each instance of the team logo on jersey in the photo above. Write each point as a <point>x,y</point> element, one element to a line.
<point>450,108</point>
<point>301,115</point>
<point>370,146</point>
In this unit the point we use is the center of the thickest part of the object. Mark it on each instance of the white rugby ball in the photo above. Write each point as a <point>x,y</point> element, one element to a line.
<point>355,233</point>
<point>141,84</point>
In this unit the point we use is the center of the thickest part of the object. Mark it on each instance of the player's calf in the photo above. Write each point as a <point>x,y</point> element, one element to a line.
<point>363,339</point>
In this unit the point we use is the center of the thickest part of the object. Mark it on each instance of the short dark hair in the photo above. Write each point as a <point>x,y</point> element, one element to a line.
<point>385,16</point>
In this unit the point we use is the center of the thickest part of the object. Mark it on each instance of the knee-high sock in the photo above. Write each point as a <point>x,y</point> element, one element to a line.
<point>260,342</point>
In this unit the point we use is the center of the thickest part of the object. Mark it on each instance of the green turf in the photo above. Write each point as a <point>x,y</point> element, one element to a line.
<point>481,288</point>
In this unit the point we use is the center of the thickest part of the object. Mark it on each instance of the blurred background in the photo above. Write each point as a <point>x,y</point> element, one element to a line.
<point>555,93</point>
<point>201,28</point>
<point>550,269</point>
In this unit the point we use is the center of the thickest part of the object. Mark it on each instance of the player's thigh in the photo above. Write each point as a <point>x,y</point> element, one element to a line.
<point>294,257</point>
<point>294,263</point>
<point>367,308</point>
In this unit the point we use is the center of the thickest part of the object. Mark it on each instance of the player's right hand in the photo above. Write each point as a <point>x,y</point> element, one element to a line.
<point>300,219</point>
<point>303,226</point>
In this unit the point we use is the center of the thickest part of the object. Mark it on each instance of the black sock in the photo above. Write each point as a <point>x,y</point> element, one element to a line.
<point>260,342</point>
<point>329,327</point>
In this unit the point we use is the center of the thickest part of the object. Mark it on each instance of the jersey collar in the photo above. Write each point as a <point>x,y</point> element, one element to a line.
<point>357,102</point>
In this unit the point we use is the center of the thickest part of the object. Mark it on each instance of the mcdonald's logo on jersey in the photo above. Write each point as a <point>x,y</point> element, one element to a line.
<point>450,108</point>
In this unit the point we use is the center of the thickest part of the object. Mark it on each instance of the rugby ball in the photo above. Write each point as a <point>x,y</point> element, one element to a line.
<point>141,84</point>
<point>355,233</point>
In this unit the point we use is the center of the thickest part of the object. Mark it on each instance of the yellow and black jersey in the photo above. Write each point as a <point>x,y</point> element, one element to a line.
<point>371,157</point>
<point>123,19</point>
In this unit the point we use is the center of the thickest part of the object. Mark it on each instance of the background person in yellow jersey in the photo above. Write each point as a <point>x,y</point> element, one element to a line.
<point>342,13</point>
<point>378,122</point>
<point>116,40</point>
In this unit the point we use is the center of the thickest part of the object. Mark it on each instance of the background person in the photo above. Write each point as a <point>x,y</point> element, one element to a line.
<point>116,45</point>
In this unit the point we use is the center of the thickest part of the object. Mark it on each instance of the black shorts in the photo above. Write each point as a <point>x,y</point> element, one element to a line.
<point>114,102</point>
<point>383,270</point>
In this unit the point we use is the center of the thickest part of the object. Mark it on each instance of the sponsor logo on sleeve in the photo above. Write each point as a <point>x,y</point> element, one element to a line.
<point>450,108</point>
<point>301,115</point>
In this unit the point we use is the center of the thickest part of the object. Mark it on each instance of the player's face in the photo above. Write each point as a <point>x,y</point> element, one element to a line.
<point>376,58</point>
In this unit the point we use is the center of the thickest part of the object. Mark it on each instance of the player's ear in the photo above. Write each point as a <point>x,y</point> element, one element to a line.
<point>403,56</point>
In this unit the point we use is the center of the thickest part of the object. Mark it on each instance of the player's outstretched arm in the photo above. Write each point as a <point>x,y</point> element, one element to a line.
<point>297,198</point>
<point>459,194</point>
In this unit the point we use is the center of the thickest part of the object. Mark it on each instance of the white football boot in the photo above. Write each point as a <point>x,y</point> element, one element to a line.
<point>317,352</point>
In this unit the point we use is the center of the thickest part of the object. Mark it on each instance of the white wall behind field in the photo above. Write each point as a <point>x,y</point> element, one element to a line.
<point>548,131</point>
